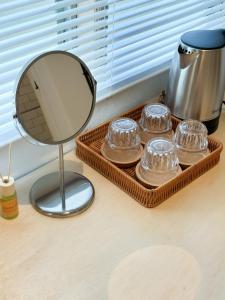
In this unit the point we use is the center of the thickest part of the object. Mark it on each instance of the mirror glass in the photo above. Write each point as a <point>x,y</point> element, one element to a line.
<point>55,97</point>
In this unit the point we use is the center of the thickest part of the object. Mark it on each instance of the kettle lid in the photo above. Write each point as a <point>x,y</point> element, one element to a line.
<point>204,39</point>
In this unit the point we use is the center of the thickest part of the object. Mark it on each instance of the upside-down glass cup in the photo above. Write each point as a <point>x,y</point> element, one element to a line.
<point>122,143</point>
<point>159,162</point>
<point>191,140</point>
<point>155,122</point>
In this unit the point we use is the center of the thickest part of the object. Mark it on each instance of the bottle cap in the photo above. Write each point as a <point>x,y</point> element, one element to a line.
<point>7,187</point>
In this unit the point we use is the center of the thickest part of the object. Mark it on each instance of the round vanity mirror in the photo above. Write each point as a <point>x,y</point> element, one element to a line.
<point>55,98</point>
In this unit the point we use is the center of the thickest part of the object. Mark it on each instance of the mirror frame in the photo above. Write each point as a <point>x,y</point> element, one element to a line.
<point>92,85</point>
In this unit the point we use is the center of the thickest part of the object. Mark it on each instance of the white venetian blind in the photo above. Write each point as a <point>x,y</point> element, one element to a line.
<point>122,41</point>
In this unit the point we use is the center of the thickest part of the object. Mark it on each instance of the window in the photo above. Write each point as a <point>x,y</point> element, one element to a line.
<point>122,41</point>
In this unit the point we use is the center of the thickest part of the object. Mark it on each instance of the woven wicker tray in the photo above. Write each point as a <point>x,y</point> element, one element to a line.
<point>88,150</point>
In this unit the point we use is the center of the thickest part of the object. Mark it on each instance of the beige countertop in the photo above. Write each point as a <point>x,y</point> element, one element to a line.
<point>119,250</point>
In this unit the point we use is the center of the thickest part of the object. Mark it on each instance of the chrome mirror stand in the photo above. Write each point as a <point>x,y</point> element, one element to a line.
<point>62,194</point>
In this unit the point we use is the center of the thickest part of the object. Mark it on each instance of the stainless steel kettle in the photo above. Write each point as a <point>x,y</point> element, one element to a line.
<point>196,82</point>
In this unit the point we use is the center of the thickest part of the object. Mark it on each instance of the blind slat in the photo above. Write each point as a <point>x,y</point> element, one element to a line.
<point>54,28</point>
<point>143,45</point>
<point>121,41</point>
<point>42,21</point>
<point>50,8</point>
<point>153,31</point>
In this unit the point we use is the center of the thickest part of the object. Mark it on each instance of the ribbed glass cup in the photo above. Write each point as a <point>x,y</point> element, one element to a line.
<point>191,139</point>
<point>159,162</point>
<point>159,156</point>
<point>123,133</point>
<point>191,135</point>
<point>123,142</point>
<point>155,121</point>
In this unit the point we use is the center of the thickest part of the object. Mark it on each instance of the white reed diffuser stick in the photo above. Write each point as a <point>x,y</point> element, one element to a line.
<point>10,161</point>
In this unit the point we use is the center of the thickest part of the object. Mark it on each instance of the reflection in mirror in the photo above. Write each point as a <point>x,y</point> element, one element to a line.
<point>55,97</point>
<point>31,113</point>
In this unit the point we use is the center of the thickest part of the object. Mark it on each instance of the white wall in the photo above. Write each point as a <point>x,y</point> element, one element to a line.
<point>27,157</point>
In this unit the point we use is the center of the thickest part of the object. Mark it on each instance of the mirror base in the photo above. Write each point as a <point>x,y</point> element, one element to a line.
<point>45,195</point>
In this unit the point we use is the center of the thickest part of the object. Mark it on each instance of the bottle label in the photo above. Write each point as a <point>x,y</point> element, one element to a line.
<point>9,206</point>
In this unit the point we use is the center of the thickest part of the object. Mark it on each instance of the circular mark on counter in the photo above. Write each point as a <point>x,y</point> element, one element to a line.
<point>157,273</point>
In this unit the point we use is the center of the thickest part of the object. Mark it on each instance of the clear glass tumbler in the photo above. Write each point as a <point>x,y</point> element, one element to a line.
<point>191,140</point>
<point>159,162</point>
<point>123,142</point>
<point>155,122</point>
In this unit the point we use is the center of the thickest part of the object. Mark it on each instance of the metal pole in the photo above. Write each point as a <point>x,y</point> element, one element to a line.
<point>61,174</point>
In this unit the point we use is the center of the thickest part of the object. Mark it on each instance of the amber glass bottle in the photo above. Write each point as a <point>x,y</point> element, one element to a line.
<point>8,198</point>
